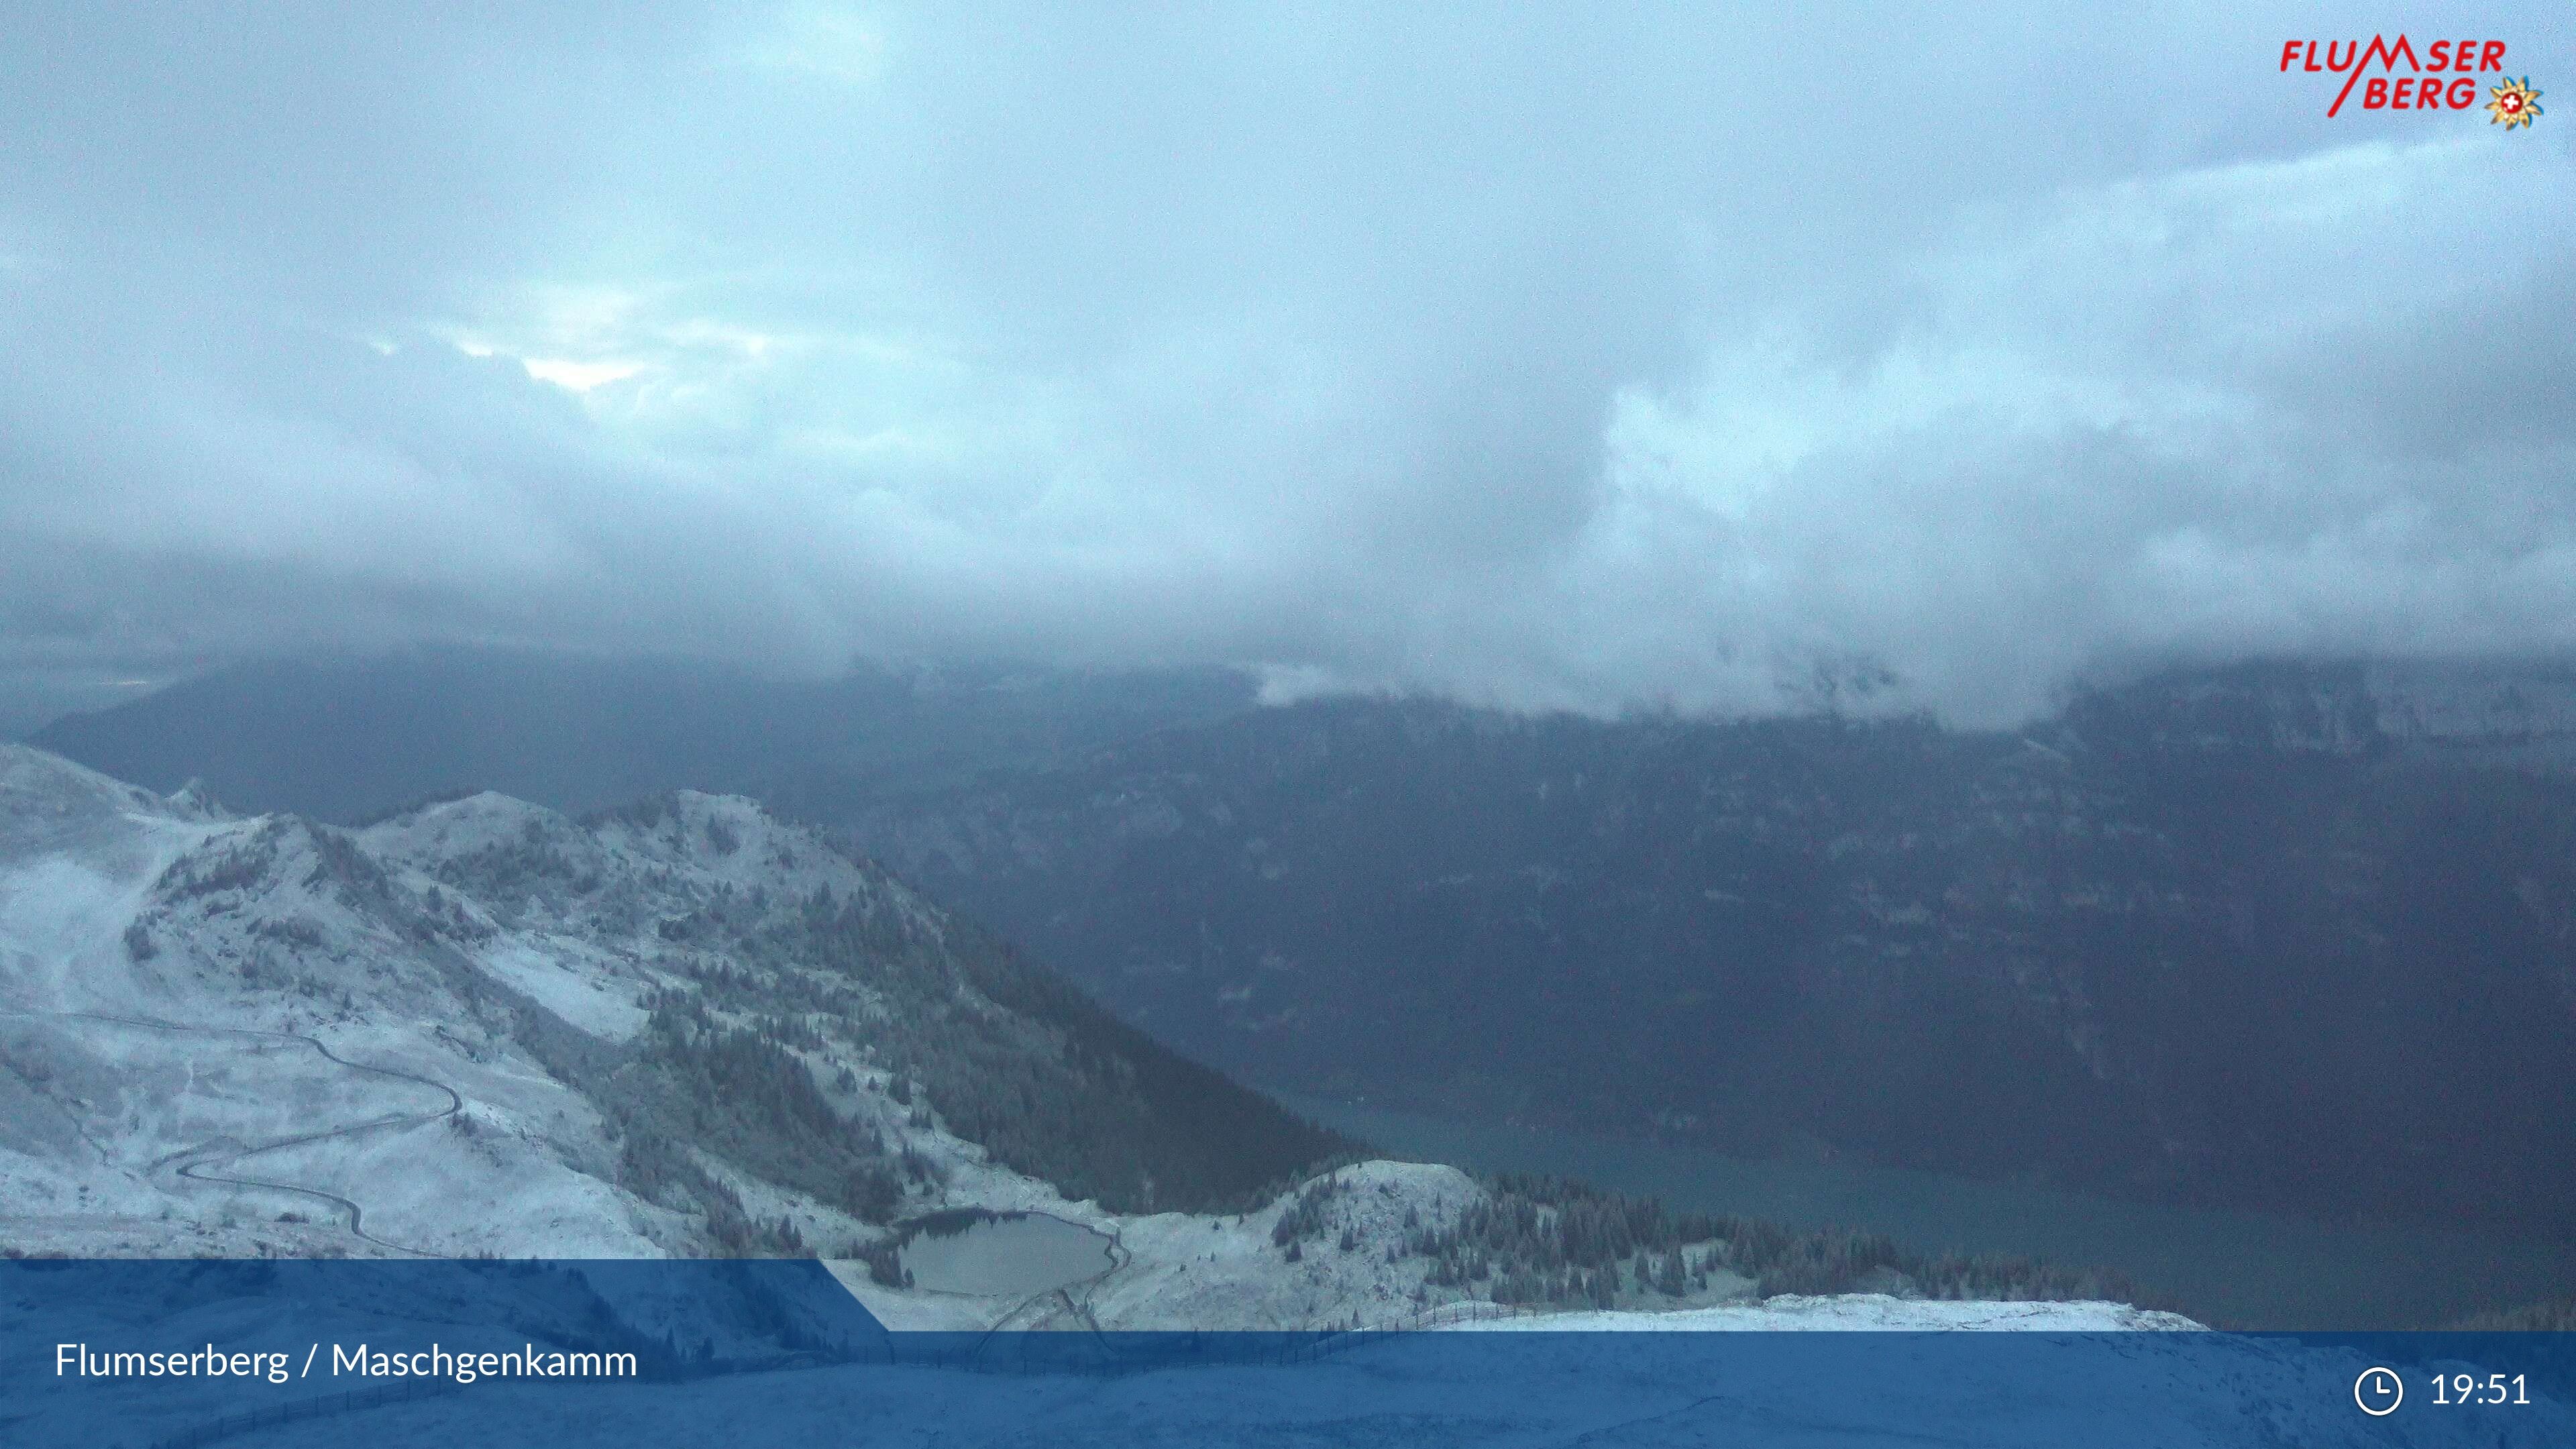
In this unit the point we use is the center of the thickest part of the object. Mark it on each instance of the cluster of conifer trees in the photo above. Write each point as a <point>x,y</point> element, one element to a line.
<point>1550,1241</point>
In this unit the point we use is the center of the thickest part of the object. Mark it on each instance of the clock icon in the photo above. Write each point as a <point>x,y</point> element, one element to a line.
<point>2378,1391</point>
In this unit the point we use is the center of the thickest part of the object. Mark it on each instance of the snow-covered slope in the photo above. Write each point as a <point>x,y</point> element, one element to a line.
<point>434,1035</point>
<point>1857,1312</point>
<point>243,1036</point>
<point>687,1028</point>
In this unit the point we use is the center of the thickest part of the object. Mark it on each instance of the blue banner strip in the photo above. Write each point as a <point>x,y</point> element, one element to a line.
<point>495,1355</point>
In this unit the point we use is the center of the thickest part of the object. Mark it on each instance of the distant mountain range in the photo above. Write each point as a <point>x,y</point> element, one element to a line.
<point>2297,935</point>
<point>344,739</point>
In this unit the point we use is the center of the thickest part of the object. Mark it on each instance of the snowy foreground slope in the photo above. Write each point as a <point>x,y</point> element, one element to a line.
<point>481,1027</point>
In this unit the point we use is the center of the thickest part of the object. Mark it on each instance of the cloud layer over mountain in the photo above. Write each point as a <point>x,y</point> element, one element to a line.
<point>1620,358</point>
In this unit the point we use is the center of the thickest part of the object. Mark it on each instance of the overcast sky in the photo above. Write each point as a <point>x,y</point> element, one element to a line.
<point>1542,357</point>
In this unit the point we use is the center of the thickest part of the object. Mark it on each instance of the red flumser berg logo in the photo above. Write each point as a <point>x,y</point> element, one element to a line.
<point>2393,76</point>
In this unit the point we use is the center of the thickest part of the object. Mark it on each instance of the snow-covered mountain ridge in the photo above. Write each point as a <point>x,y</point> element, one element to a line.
<point>438,1034</point>
<point>685,1028</point>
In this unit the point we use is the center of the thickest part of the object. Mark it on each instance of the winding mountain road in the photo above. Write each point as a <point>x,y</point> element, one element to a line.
<point>194,1163</point>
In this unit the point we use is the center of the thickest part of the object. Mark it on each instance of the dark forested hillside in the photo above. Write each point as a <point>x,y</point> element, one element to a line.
<point>2280,937</point>
<point>780,987</point>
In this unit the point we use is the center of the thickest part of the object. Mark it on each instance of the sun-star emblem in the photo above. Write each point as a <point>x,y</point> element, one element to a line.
<point>2515,104</point>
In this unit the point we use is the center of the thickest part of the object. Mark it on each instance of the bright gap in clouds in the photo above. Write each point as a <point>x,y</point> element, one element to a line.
<point>579,376</point>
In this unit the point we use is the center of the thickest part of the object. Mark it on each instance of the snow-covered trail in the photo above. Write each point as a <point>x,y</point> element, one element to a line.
<point>193,1163</point>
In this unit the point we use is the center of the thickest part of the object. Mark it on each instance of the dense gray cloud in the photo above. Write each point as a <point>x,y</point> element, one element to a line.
<point>1601,359</point>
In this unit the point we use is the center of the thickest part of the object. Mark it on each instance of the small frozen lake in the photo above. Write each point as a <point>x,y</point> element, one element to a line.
<point>1011,1254</point>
